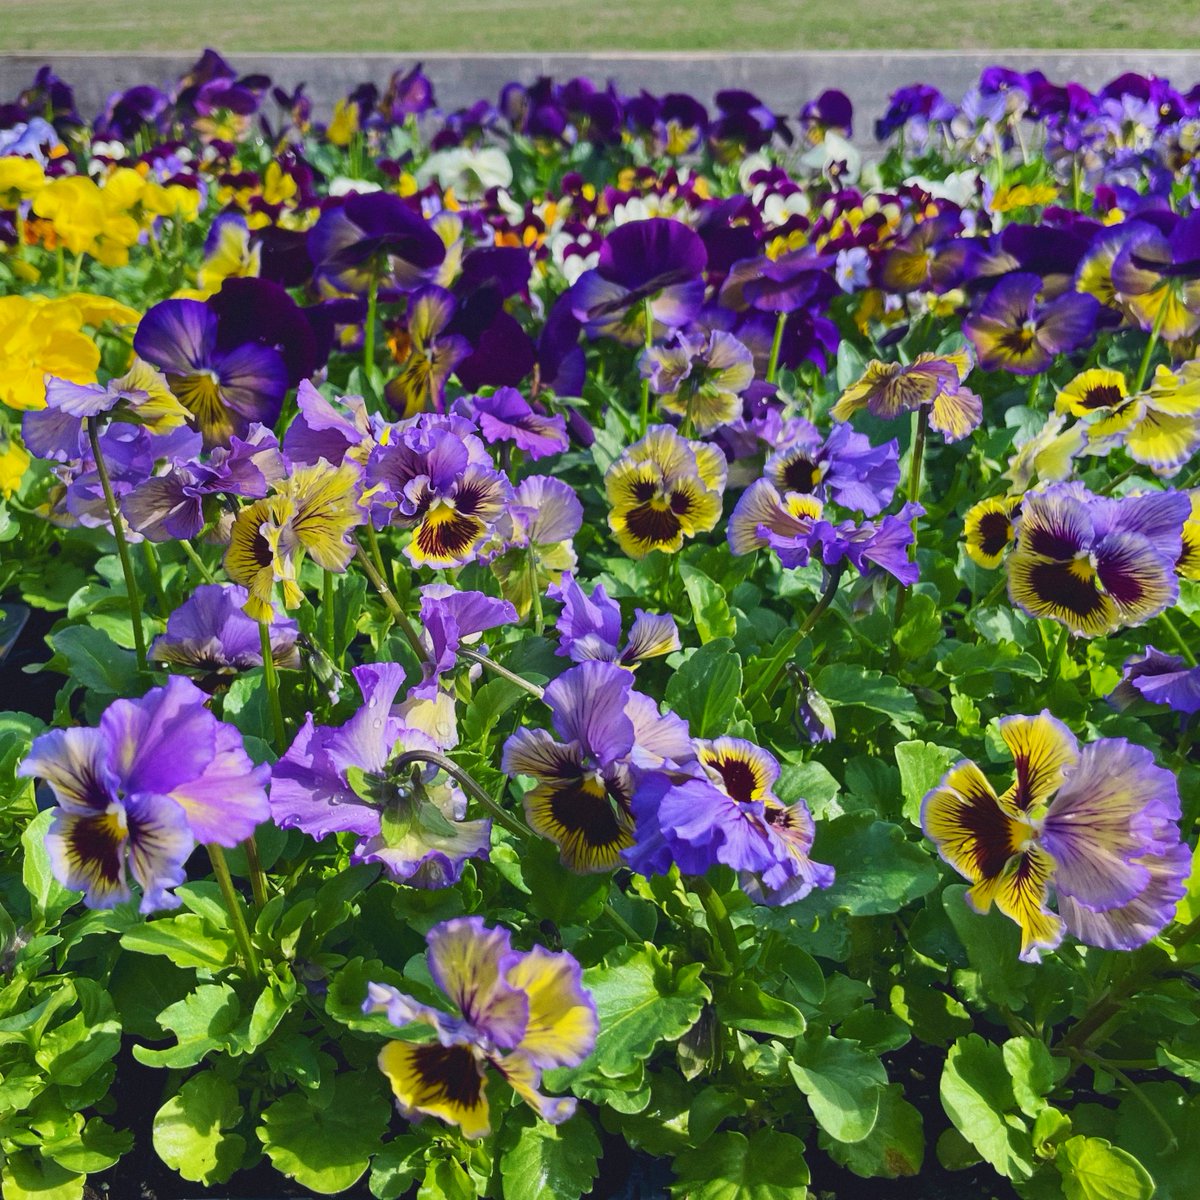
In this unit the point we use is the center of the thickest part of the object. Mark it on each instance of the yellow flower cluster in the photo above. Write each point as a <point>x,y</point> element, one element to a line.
<point>40,336</point>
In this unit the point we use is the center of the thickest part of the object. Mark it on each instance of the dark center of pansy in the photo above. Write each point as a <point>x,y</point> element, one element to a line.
<point>653,524</point>
<point>1105,396</point>
<point>995,532</point>
<point>450,1073</point>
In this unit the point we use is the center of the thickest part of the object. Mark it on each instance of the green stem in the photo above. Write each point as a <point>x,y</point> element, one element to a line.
<point>237,914</point>
<point>1169,625</point>
<point>644,407</point>
<point>114,515</point>
<point>776,344</point>
<point>271,678</point>
<point>916,464</point>
<point>718,919</point>
<point>76,267</point>
<point>535,594</point>
<point>258,878</point>
<point>496,668</point>
<point>196,560</point>
<point>513,824</point>
<point>376,554</point>
<point>327,615</point>
<point>1057,657</point>
<point>156,579</point>
<point>1105,1064</point>
<point>623,925</point>
<point>777,667</point>
<point>1148,353</point>
<point>60,274</point>
<point>390,602</point>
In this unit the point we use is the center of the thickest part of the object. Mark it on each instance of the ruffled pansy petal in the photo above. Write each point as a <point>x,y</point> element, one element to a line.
<point>87,854</point>
<point>1020,893</point>
<point>974,831</point>
<point>650,636</point>
<point>470,962</point>
<point>74,762</point>
<point>439,1081</point>
<point>562,1015</point>
<point>1044,750</point>
<point>160,840</point>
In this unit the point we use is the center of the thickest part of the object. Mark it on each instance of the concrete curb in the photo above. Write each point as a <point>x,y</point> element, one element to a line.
<point>784,80</point>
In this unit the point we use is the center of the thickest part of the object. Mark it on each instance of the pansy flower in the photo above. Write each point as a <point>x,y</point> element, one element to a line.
<point>341,780</point>
<point>663,489</point>
<point>660,261</point>
<point>844,467</point>
<point>140,396</point>
<point>171,504</point>
<point>518,1014</point>
<point>1156,276</point>
<point>506,416</point>
<point>726,812</point>
<point>1096,564</point>
<point>1159,679</point>
<point>546,515</point>
<point>333,431</point>
<point>427,354</point>
<point>989,529</point>
<point>1098,825</point>
<point>589,628</point>
<point>311,512</point>
<point>1013,330</point>
<point>699,377</point>
<point>135,794</point>
<point>374,235</point>
<point>581,799</point>
<point>210,635</point>
<point>224,384</point>
<point>887,390</point>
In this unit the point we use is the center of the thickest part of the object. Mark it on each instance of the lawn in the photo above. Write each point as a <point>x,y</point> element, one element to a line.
<point>566,25</point>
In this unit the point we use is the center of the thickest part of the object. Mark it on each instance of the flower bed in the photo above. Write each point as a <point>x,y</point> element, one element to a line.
<point>599,645</point>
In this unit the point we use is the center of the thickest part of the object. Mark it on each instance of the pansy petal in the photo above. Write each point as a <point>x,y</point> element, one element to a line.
<point>1044,750</point>
<point>562,1015</point>
<point>439,1081</point>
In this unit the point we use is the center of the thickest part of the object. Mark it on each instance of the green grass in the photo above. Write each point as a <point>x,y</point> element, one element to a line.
<point>403,26</point>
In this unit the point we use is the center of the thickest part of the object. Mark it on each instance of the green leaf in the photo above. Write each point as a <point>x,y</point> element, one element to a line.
<point>843,1085</point>
<point>843,684</point>
<point>1093,1169</point>
<point>203,1021</point>
<point>641,1000</point>
<point>978,1098</point>
<point>705,689</point>
<point>191,1130</point>
<point>397,1166</point>
<point>744,1005</point>
<point>922,629</point>
<point>551,1162</point>
<point>187,940</point>
<point>326,1146</point>
<point>894,1148</point>
<point>141,988</point>
<point>729,1166</point>
<point>91,658</point>
<point>710,609</point>
<point>50,898</point>
<point>878,869</point>
<point>28,1176</point>
<point>563,896</point>
<point>1033,1071</point>
<point>993,945</point>
<point>922,765</point>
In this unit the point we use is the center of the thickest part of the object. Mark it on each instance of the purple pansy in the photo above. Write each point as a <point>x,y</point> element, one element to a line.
<point>589,628</point>
<point>136,793</point>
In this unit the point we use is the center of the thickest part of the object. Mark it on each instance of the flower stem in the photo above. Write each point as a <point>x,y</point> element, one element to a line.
<point>776,345</point>
<point>535,594</point>
<point>114,515</point>
<point>390,602</point>
<point>271,678</point>
<point>1148,353</point>
<point>915,466</point>
<point>492,665</point>
<point>718,919</point>
<point>327,615</point>
<point>156,579</point>
<point>513,824</point>
<point>644,407</point>
<point>237,914</point>
<point>1057,657</point>
<point>777,668</point>
<point>1169,625</point>
<point>258,878</point>
<point>196,560</point>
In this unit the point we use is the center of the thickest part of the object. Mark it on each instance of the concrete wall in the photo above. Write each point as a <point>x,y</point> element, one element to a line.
<point>784,80</point>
